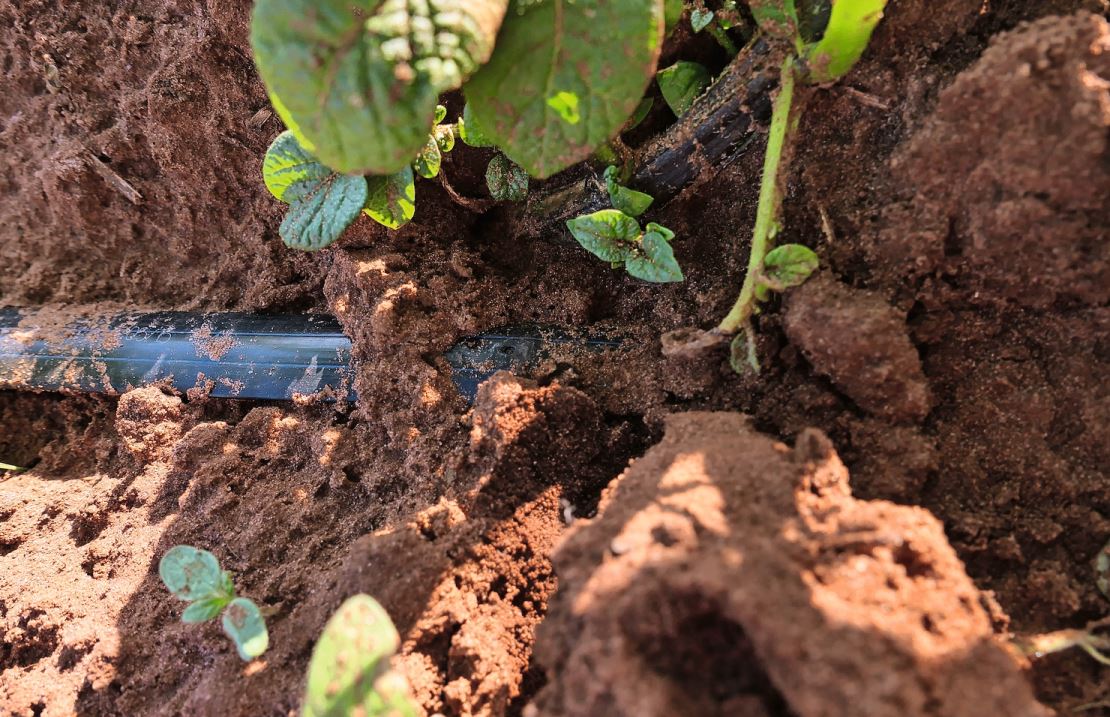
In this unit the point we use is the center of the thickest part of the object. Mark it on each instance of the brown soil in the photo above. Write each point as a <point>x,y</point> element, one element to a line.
<point>955,352</point>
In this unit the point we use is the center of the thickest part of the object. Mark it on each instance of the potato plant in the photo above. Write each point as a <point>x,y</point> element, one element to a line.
<point>194,575</point>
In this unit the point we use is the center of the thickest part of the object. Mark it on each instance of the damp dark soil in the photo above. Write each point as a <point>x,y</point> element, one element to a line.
<point>920,471</point>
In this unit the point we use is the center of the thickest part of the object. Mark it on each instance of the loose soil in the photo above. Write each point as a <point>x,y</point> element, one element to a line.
<point>952,358</point>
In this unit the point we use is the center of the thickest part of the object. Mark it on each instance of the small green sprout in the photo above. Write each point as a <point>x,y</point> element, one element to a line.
<point>615,237</point>
<point>623,199</point>
<point>349,672</point>
<point>682,83</point>
<point>845,37</point>
<point>10,467</point>
<point>194,575</point>
<point>702,18</point>
<point>506,180</point>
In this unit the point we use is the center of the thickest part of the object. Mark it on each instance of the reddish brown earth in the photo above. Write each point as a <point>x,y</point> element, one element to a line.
<point>954,351</point>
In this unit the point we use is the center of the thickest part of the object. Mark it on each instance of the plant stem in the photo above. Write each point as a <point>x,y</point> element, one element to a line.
<point>9,467</point>
<point>770,203</point>
<point>722,38</point>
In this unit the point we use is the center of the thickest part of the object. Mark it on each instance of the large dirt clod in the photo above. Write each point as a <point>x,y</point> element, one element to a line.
<point>729,574</point>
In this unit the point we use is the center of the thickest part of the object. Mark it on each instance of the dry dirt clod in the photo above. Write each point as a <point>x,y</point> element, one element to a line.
<point>749,575</point>
<point>859,341</point>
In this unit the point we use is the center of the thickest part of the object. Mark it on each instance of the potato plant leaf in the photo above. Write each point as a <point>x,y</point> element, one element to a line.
<point>204,609</point>
<point>391,200</point>
<point>349,670</point>
<point>288,163</point>
<point>565,77</point>
<point>789,265</point>
<point>358,80</point>
<point>191,573</point>
<point>700,19</point>
<point>672,13</point>
<point>654,260</point>
<point>639,114</point>
<point>320,212</point>
<point>506,181</point>
<point>445,137</point>
<point>682,83</point>
<point>470,130</point>
<point>440,115</point>
<point>608,234</point>
<point>623,199</point>
<point>660,230</point>
<point>244,624</point>
<point>851,23</point>
<point>777,18</point>
<point>427,163</point>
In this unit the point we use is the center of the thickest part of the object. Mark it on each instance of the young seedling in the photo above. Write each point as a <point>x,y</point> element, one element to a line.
<point>194,575</point>
<point>845,37</point>
<point>702,17</point>
<point>622,198</point>
<point>615,237</point>
<point>349,672</point>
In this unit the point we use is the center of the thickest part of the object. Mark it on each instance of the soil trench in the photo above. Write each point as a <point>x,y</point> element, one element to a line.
<point>617,533</point>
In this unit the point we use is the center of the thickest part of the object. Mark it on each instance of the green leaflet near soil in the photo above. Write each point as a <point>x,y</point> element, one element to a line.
<point>789,265</point>
<point>391,201</point>
<point>615,237</point>
<point>349,670</point>
<point>622,198</point>
<point>565,77</point>
<point>506,181</point>
<point>357,80</point>
<point>191,573</point>
<point>243,623</point>
<point>682,83</point>
<point>427,163</point>
<point>654,261</point>
<point>851,23</point>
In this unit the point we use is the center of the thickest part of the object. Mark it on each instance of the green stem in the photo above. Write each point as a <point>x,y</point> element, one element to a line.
<point>770,203</point>
<point>723,39</point>
<point>9,467</point>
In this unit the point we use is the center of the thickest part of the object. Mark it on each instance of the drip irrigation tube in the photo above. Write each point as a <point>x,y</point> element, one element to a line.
<point>231,355</point>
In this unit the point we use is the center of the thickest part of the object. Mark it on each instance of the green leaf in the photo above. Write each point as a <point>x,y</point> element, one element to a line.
<point>319,214</point>
<point>191,573</point>
<point>672,13</point>
<point>1102,570</point>
<point>789,265</point>
<point>626,200</point>
<point>660,230</point>
<point>565,77</point>
<point>358,80</point>
<point>471,132</point>
<point>507,181</point>
<point>682,83</point>
<point>700,19</point>
<point>639,114</point>
<point>427,163</point>
<point>204,609</point>
<point>777,18</point>
<point>846,36</point>
<point>441,114</point>
<point>244,624</point>
<point>391,201</point>
<point>445,137</point>
<point>610,235</point>
<point>349,671</point>
<point>654,260</point>
<point>287,163</point>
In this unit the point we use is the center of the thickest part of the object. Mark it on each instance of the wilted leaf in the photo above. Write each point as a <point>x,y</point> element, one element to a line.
<point>789,265</point>
<point>349,671</point>
<point>506,181</point>
<point>682,83</point>
<point>243,623</point>
<point>742,356</point>
<point>191,573</point>
<point>391,201</point>
<point>358,80</point>
<point>623,199</point>
<point>654,260</point>
<point>608,234</point>
<point>565,77</point>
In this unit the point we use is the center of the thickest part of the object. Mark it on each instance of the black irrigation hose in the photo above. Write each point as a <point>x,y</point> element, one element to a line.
<point>232,355</point>
<point>720,126</point>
